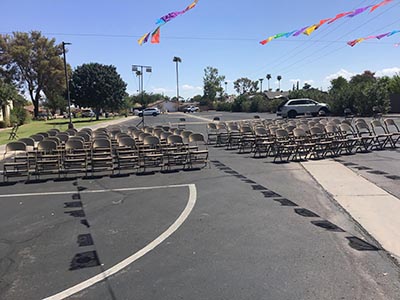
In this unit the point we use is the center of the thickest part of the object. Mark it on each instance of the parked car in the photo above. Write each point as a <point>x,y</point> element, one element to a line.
<point>191,109</point>
<point>293,107</point>
<point>148,112</point>
<point>87,113</point>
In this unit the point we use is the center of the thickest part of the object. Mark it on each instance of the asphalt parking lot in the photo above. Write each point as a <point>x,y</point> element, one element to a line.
<point>242,229</point>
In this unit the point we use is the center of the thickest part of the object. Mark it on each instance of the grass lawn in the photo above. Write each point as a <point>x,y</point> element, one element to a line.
<point>42,126</point>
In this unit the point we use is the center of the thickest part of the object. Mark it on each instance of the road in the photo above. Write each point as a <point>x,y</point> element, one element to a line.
<point>242,229</point>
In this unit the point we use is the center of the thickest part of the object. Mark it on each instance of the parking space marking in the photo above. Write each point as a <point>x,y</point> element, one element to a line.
<point>93,191</point>
<point>131,259</point>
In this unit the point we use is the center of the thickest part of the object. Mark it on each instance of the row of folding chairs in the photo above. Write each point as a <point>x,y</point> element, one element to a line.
<point>303,139</point>
<point>106,149</point>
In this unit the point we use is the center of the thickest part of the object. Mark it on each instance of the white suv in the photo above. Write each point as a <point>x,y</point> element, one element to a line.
<point>293,107</point>
<point>149,112</point>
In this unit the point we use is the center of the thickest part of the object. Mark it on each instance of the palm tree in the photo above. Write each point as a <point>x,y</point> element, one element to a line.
<point>268,78</point>
<point>279,77</point>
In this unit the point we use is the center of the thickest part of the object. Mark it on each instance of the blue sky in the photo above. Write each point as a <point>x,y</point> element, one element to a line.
<point>218,33</point>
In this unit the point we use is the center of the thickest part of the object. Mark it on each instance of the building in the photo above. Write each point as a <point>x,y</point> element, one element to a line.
<point>5,111</point>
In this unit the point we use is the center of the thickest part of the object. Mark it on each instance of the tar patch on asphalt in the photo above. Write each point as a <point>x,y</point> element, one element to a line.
<point>258,187</point>
<point>285,202</point>
<point>249,181</point>
<point>83,260</point>
<point>349,164</point>
<point>360,245</point>
<point>72,204</point>
<point>327,225</point>
<point>76,213</point>
<point>76,196</point>
<point>85,240</point>
<point>393,177</point>
<point>362,168</point>
<point>85,223</point>
<point>305,213</point>
<point>240,176</point>
<point>376,172</point>
<point>270,194</point>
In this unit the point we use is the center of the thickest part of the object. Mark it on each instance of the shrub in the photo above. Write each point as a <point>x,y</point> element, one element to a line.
<point>3,124</point>
<point>223,106</point>
<point>19,116</point>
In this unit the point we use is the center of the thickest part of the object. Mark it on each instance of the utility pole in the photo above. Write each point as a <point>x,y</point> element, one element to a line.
<point>70,124</point>
<point>139,69</point>
<point>177,60</point>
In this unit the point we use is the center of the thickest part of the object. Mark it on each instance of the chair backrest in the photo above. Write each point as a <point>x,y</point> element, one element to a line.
<point>299,133</point>
<point>282,133</point>
<point>74,144</point>
<point>74,138</point>
<point>391,125</point>
<point>261,131</point>
<point>54,139</point>
<point>185,134</point>
<point>101,143</point>
<point>37,137</point>
<point>143,135</point>
<point>151,141</point>
<point>363,128</point>
<point>346,129</point>
<point>157,132</point>
<point>196,138</point>
<point>127,142</point>
<point>177,131</point>
<point>377,127</point>
<point>87,130</point>
<point>15,146</point>
<point>45,134</point>
<point>28,141</point>
<point>47,146</point>
<point>53,132</point>
<point>148,129</point>
<point>165,135</point>
<point>63,137</point>
<point>174,139</point>
<point>122,135</point>
<point>71,131</point>
<point>86,135</point>
<point>316,131</point>
<point>212,126</point>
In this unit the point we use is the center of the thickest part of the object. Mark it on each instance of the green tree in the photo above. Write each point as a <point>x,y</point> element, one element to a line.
<point>7,92</point>
<point>98,86</point>
<point>212,83</point>
<point>245,86</point>
<point>394,84</point>
<point>341,96</point>
<point>34,62</point>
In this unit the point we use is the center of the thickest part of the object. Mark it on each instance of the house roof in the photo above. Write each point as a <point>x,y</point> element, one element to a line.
<point>275,95</point>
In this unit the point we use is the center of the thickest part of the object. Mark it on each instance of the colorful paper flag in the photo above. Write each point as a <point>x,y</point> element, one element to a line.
<point>144,39</point>
<point>384,2</point>
<point>155,36</point>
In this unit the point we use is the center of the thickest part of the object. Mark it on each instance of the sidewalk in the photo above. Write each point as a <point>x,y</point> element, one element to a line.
<point>372,207</point>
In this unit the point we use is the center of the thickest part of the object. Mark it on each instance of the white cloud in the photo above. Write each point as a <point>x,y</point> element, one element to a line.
<point>388,72</point>
<point>344,73</point>
<point>161,90</point>
<point>187,87</point>
<point>294,81</point>
<point>309,81</point>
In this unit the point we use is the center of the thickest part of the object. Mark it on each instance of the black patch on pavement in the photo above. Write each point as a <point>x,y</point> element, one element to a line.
<point>84,260</point>
<point>285,202</point>
<point>249,181</point>
<point>376,172</point>
<point>270,194</point>
<point>305,213</point>
<point>76,196</point>
<point>258,187</point>
<point>393,177</point>
<point>349,164</point>
<point>231,172</point>
<point>240,176</point>
<point>85,222</point>
<point>85,240</point>
<point>360,245</point>
<point>72,204</point>
<point>76,213</point>
<point>327,225</point>
<point>362,168</point>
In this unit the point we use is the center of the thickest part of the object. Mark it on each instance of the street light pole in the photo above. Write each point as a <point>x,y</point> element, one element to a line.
<point>138,69</point>
<point>226,88</point>
<point>70,124</point>
<point>177,60</point>
<point>261,80</point>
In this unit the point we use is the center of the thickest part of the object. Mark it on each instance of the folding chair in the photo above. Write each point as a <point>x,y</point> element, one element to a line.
<point>198,151</point>
<point>151,153</point>
<point>175,152</point>
<point>47,159</point>
<point>391,127</point>
<point>127,154</point>
<point>17,164</point>
<point>101,156</point>
<point>75,158</point>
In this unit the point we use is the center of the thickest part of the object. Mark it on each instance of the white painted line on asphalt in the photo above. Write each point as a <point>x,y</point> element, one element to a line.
<point>93,191</point>
<point>131,259</point>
